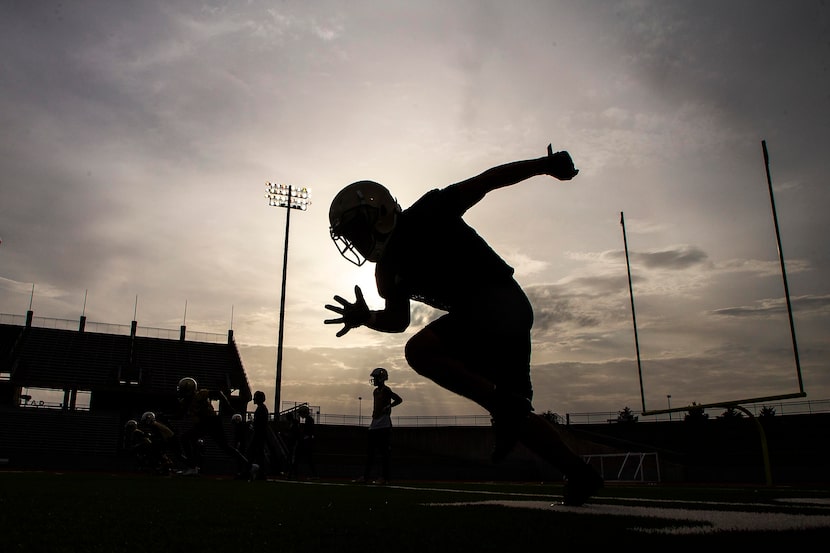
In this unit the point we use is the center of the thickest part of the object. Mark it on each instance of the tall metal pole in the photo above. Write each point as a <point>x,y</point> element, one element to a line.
<point>278,386</point>
<point>783,268</point>
<point>633,314</point>
<point>289,198</point>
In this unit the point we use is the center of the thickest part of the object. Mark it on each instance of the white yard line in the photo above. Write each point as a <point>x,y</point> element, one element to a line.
<point>709,520</point>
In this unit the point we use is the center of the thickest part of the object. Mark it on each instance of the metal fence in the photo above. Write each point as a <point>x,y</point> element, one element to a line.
<point>115,329</point>
<point>416,420</point>
<point>801,407</point>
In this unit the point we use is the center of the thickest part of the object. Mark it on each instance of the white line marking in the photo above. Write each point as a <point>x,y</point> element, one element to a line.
<point>712,520</point>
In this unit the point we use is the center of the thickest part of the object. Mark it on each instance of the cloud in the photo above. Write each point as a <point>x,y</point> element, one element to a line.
<point>523,264</point>
<point>803,305</point>
<point>676,258</point>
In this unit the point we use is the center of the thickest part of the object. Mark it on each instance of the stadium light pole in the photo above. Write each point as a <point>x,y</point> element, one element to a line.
<point>280,195</point>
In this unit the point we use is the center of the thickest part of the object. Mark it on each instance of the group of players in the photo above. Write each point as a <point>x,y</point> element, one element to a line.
<point>254,446</point>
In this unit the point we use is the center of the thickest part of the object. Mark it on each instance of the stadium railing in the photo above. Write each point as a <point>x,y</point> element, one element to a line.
<point>801,407</point>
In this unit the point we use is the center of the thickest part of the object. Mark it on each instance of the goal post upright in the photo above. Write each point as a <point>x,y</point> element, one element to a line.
<point>633,313</point>
<point>783,267</point>
<point>737,404</point>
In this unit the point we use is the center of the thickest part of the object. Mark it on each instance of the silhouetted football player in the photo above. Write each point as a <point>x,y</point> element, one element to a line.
<point>196,403</point>
<point>379,436</point>
<point>481,347</point>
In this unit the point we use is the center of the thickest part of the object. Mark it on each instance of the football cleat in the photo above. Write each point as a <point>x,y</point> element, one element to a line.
<point>579,488</point>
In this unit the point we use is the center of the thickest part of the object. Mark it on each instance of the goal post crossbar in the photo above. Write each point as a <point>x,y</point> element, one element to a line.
<point>724,403</point>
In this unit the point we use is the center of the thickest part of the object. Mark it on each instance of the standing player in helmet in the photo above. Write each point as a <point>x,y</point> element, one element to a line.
<point>241,432</point>
<point>241,437</point>
<point>303,446</point>
<point>380,429</point>
<point>259,438</point>
<point>196,403</point>
<point>481,347</point>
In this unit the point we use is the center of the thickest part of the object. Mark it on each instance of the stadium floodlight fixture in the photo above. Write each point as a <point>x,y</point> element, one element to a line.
<point>289,197</point>
<point>281,195</point>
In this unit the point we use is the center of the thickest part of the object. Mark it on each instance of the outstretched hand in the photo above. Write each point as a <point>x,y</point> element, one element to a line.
<point>560,165</point>
<point>352,316</point>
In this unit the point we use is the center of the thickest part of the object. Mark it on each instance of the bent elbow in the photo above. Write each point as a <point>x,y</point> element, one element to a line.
<point>397,322</point>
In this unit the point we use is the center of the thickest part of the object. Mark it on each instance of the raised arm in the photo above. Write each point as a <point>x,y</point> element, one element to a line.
<point>558,165</point>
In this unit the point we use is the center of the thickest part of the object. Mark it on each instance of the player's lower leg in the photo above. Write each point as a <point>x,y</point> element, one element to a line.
<point>544,439</point>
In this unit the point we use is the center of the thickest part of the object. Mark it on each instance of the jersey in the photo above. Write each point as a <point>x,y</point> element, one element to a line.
<point>199,407</point>
<point>260,424</point>
<point>382,398</point>
<point>159,432</point>
<point>136,439</point>
<point>434,257</point>
<point>307,428</point>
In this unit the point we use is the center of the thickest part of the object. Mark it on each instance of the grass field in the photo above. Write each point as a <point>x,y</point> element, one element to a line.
<point>69,512</point>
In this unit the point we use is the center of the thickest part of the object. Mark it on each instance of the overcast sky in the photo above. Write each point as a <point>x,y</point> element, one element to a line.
<point>137,138</point>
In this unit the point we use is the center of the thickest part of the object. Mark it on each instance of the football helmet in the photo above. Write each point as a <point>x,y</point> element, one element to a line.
<point>379,376</point>
<point>362,217</point>
<point>130,426</point>
<point>148,418</point>
<point>187,387</point>
<point>259,397</point>
<point>303,410</point>
<point>236,418</point>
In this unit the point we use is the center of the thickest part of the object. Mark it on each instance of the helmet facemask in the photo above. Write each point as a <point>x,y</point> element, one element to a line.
<point>378,376</point>
<point>363,216</point>
<point>358,237</point>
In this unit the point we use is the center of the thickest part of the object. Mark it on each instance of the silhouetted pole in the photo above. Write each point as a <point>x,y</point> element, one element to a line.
<point>633,314</point>
<point>783,268</point>
<point>290,198</point>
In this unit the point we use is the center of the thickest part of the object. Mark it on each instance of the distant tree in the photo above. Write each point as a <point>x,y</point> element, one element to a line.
<point>766,412</point>
<point>552,417</point>
<point>626,416</point>
<point>731,414</point>
<point>696,413</point>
